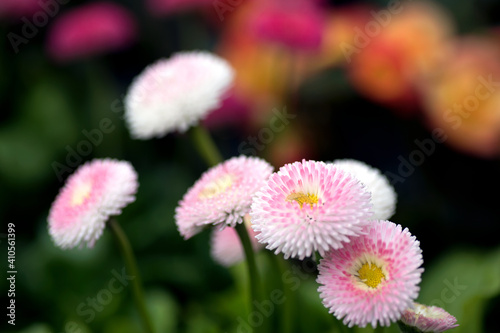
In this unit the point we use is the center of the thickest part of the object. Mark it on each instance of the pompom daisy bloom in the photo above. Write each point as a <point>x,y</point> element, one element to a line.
<point>226,248</point>
<point>176,93</point>
<point>222,196</point>
<point>383,194</point>
<point>428,319</point>
<point>309,206</point>
<point>96,191</point>
<point>373,279</point>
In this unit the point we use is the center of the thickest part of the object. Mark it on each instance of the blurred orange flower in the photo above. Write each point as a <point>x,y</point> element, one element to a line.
<point>463,97</point>
<point>394,48</point>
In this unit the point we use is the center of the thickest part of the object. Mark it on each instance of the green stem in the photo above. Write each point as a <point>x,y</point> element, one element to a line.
<point>131,266</point>
<point>379,329</point>
<point>205,145</point>
<point>208,150</point>
<point>407,329</point>
<point>317,257</point>
<point>288,309</point>
<point>253,276</point>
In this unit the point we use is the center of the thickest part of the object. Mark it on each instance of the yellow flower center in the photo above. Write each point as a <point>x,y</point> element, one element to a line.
<point>371,275</point>
<point>216,187</point>
<point>81,192</point>
<point>302,198</point>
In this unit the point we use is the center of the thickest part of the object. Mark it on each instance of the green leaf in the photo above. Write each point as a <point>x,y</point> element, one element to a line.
<point>38,328</point>
<point>163,310</point>
<point>462,282</point>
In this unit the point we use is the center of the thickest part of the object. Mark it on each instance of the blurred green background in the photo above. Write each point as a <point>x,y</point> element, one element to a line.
<point>450,202</point>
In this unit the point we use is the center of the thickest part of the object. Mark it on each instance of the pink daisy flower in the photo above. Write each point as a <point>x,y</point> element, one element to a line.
<point>382,192</point>
<point>174,94</point>
<point>89,30</point>
<point>96,191</point>
<point>226,248</point>
<point>222,196</point>
<point>428,319</point>
<point>309,206</point>
<point>374,278</point>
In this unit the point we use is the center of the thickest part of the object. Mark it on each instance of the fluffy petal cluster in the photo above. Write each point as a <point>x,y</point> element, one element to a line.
<point>428,319</point>
<point>226,248</point>
<point>89,30</point>
<point>374,278</point>
<point>174,94</point>
<point>309,206</point>
<point>382,192</point>
<point>96,191</point>
<point>222,195</point>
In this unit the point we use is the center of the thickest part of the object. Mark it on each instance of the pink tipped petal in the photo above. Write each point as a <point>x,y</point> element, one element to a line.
<point>96,191</point>
<point>222,196</point>
<point>309,206</point>
<point>176,93</point>
<point>428,319</point>
<point>374,278</point>
<point>383,194</point>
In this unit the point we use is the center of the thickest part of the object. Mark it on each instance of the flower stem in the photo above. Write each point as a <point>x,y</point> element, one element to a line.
<point>407,329</point>
<point>210,153</point>
<point>379,329</point>
<point>287,314</point>
<point>205,145</point>
<point>252,266</point>
<point>131,266</point>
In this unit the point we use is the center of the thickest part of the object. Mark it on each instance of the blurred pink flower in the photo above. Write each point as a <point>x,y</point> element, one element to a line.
<point>295,24</point>
<point>222,196</point>
<point>17,8</point>
<point>374,278</point>
<point>96,191</point>
<point>309,206</point>
<point>90,30</point>
<point>431,319</point>
<point>163,7</point>
<point>226,246</point>
<point>234,111</point>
